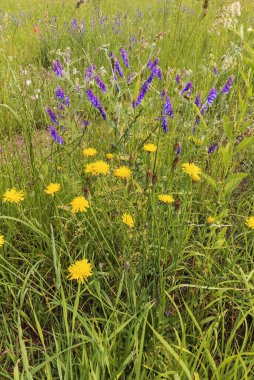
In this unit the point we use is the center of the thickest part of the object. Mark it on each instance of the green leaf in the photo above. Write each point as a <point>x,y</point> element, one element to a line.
<point>227,126</point>
<point>245,143</point>
<point>233,181</point>
<point>211,181</point>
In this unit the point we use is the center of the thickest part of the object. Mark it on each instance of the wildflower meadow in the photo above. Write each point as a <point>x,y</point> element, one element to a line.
<point>127,189</point>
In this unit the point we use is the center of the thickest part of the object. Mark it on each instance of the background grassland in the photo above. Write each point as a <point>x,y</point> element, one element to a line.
<point>171,298</point>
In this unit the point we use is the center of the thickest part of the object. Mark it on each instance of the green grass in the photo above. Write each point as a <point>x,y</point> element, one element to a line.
<point>171,298</point>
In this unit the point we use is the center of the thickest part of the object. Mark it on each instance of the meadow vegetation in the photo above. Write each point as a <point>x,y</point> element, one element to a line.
<point>127,190</point>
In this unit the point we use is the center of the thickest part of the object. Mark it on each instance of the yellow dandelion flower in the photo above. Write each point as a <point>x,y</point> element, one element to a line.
<point>53,188</point>
<point>90,152</point>
<point>250,222</point>
<point>14,196</point>
<point>79,204</point>
<point>109,156</point>
<point>98,167</point>
<point>150,148</point>
<point>195,178</point>
<point>128,220</point>
<point>80,270</point>
<point>210,220</point>
<point>1,240</point>
<point>166,198</point>
<point>122,172</point>
<point>192,169</point>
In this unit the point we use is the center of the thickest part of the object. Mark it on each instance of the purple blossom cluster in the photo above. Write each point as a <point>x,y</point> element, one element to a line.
<point>55,135</point>
<point>228,85</point>
<point>58,68</point>
<point>167,111</point>
<point>116,65</point>
<point>95,102</point>
<point>64,100</point>
<point>90,74</point>
<point>125,57</point>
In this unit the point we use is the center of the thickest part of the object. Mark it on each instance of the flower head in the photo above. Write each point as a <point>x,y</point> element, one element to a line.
<point>166,198</point>
<point>58,68</point>
<point>210,220</point>
<point>195,178</point>
<point>193,170</point>
<point>228,85</point>
<point>122,172</point>
<point>13,196</point>
<point>55,135</point>
<point>109,156</point>
<point>96,103</point>
<point>1,241</point>
<point>89,152</point>
<point>97,167</point>
<point>128,220</point>
<point>250,222</point>
<point>150,148</point>
<point>79,204</point>
<point>80,270</point>
<point>53,188</point>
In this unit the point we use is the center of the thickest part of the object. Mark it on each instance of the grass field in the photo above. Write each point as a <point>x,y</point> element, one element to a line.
<point>127,190</point>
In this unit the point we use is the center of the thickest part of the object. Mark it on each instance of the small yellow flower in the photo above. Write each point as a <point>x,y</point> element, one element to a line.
<point>109,156</point>
<point>195,178</point>
<point>14,196</point>
<point>150,148</point>
<point>128,220</point>
<point>192,169</point>
<point>79,204</point>
<point>166,198</point>
<point>1,240</point>
<point>89,152</point>
<point>250,222</point>
<point>210,220</point>
<point>122,172</point>
<point>53,188</point>
<point>98,167</point>
<point>80,270</point>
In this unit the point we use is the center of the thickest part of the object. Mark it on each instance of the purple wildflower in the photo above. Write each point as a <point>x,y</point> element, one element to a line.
<point>198,101</point>
<point>67,101</point>
<point>215,70</point>
<point>89,73</point>
<point>177,79</point>
<point>55,135</point>
<point>152,65</point>
<point>52,115</point>
<point>188,87</point>
<point>228,85</point>
<point>100,83</point>
<point>60,93</point>
<point>158,73</point>
<point>179,148</point>
<point>58,68</point>
<point>211,96</point>
<point>125,57</point>
<point>163,94</point>
<point>168,108</point>
<point>213,148</point>
<point>95,102</point>
<point>165,124</point>
<point>116,64</point>
<point>74,24</point>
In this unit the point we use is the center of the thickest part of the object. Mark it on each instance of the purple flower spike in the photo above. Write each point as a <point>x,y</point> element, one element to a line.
<point>215,70</point>
<point>100,83</point>
<point>198,101</point>
<point>89,73</point>
<point>168,108</point>
<point>165,124</point>
<point>125,57</point>
<point>58,68</point>
<point>188,87</point>
<point>228,85</point>
<point>95,102</point>
<point>60,93</point>
<point>211,96</point>
<point>52,115</point>
<point>55,135</point>
<point>213,148</point>
<point>177,79</point>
